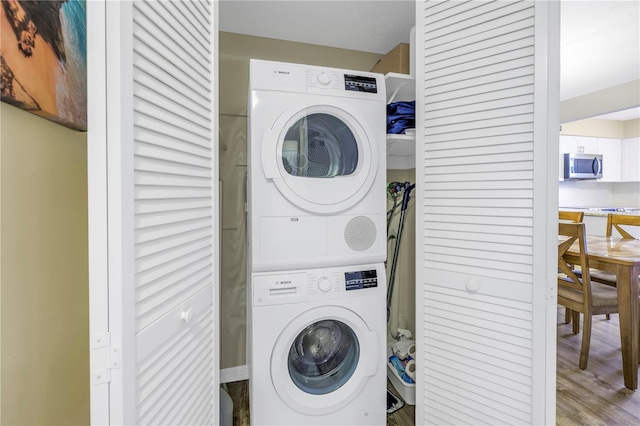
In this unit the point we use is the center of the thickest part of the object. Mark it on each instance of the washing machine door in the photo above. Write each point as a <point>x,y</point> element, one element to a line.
<point>323,359</point>
<point>322,158</point>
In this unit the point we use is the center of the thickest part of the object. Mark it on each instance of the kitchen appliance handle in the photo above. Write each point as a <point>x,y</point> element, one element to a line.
<point>595,163</point>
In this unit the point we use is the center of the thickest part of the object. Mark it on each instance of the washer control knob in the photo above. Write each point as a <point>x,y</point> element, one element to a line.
<point>324,284</point>
<point>323,79</point>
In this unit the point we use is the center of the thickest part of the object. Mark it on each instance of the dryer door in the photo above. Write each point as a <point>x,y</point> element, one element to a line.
<point>323,359</point>
<point>321,157</point>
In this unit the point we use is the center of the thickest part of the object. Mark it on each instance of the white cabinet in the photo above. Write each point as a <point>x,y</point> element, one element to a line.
<point>578,144</point>
<point>630,167</point>
<point>610,148</point>
<point>401,149</point>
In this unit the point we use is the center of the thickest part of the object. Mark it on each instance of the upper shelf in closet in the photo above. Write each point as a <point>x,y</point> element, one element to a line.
<point>401,149</point>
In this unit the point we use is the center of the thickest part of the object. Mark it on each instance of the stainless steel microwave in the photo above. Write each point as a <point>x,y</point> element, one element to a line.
<point>582,166</point>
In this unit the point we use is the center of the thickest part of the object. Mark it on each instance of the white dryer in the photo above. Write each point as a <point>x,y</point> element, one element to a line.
<point>318,346</point>
<point>317,166</point>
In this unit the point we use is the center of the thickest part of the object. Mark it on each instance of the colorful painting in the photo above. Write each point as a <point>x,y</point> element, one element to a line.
<point>43,61</point>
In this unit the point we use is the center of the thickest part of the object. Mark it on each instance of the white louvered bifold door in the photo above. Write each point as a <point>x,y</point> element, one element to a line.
<point>153,212</point>
<point>487,101</point>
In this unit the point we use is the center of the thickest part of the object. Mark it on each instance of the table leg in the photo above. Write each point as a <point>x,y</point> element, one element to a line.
<point>627,283</point>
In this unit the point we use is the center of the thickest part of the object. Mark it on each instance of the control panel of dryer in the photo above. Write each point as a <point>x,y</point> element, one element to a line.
<point>359,83</point>
<point>296,78</point>
<point>316,284</point>
<point>328,81</point>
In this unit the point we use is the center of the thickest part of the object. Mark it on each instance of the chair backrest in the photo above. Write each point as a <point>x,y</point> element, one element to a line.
<point>566,276</point>
<point>615,220</point>
<point>570,216</point>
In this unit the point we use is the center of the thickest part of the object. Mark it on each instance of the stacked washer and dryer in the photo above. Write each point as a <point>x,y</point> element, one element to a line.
<point>317,243</point>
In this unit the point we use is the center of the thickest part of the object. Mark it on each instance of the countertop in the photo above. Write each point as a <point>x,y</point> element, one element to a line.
<point>604,211</point>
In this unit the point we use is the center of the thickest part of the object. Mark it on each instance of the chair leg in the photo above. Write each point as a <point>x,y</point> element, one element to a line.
<point>586,342</point>
<point>567,315</point>
<point>575,321</point>
<point>608,316</point>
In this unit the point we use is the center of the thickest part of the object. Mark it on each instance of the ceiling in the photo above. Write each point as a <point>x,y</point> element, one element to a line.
<point>599,43</point>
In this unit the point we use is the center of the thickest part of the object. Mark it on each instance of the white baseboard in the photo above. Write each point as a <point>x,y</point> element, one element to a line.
<point>234,374</point>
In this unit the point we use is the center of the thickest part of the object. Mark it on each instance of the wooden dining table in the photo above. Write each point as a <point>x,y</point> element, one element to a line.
<point>621,257</point>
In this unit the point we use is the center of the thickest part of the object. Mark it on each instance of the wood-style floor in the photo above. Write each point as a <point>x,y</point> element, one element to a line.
<point>595,396</point>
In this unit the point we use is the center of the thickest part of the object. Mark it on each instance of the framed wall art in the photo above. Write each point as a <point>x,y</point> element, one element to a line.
<point>43,61</point>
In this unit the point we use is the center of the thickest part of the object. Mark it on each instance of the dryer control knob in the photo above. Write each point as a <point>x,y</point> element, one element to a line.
<point>323,79</point>
<point>324,284</point>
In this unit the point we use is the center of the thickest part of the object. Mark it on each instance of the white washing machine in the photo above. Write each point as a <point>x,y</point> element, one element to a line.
<point>318,346</point>
<point>317,166</point>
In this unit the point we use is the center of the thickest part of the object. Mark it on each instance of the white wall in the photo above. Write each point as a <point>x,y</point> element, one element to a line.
<point>613,99</point>
<point>599,194</point>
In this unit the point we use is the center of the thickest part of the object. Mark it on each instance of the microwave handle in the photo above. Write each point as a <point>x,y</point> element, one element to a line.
<point>595,163</point>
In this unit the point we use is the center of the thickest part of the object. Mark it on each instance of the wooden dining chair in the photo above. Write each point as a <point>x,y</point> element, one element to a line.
<point>570,216</point>
<point>619,222</point>
<point>580,294</point>
<point>574,217</point>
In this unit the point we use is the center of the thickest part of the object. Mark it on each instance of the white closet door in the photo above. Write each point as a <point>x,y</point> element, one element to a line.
<point>487,97</point>
<point>153,212</point>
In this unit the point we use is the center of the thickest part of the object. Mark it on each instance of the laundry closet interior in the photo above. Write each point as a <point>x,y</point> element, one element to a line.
<point>235,52</point>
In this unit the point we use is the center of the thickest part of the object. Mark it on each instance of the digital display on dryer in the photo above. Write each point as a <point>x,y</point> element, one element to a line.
<point>358,83</point>
<point>361,279</point>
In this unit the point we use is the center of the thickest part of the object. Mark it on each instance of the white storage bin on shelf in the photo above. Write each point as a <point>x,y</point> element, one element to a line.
<point>401,149</point>
<point>406,390</point>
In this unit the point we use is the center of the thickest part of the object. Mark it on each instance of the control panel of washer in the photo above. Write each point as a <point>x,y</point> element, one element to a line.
<point>315,284</point>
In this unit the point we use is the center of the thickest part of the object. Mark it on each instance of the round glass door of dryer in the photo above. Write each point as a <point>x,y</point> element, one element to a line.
<point>322,158</point>
<point>319,146</point>
<point>323,357</point>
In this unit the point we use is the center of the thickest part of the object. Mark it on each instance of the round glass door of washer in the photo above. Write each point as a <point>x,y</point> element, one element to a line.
<point>322,360</point>
<point>323,357</point>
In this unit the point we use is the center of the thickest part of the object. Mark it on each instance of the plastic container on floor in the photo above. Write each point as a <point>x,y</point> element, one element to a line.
<point>406,390</point>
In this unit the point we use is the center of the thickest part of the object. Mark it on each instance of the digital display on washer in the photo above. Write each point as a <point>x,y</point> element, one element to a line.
<point>361,279</point>
<point>358,83</point>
